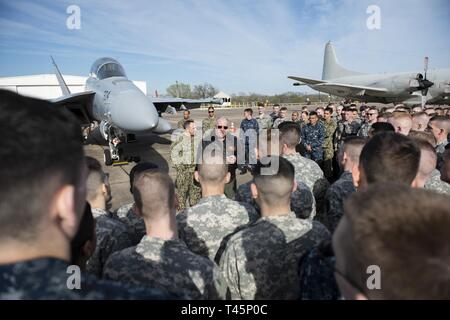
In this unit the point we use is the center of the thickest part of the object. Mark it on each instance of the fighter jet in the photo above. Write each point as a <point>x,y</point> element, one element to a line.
<point>121,109</point>
<point>409,88</point>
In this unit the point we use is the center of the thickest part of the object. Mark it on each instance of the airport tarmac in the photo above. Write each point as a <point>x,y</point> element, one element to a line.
<point>156,149</point>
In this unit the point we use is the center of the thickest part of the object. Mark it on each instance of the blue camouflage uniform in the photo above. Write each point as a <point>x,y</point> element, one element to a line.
<point>245,126</point>
<point>314,136</point>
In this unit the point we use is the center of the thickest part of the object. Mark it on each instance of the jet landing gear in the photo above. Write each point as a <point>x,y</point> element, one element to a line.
<point>115,156</point>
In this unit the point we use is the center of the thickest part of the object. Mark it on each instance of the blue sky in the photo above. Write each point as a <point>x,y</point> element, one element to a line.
<point>236,45</point>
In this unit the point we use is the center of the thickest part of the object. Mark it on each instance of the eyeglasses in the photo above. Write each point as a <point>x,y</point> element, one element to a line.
<point>222,127</point>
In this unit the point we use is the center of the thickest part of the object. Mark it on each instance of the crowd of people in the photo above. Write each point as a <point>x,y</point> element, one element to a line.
<point>343,203</point>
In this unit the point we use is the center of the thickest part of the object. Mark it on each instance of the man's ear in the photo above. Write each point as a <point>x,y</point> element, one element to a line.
<point>63,211</point>
<point>227,177</point>
<point>415,183</point>
<point>197,176</point>
<point>356,175</point>
<point>254,190</point>
<point>294,186</point>
<point>105,190</point>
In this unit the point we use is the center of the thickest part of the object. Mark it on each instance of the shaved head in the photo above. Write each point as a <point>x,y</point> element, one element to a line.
<point>213,168</point>
<point>402,123</point>
<point>154,193</point>
<point>420,121</point>
<point>427,164</point>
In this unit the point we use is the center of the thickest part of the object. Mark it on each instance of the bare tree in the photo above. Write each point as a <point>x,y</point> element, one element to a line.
<point>204,90</point>
<point>179,90</point>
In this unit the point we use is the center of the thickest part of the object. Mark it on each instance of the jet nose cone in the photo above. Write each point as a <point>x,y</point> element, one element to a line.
<point>132,111</point>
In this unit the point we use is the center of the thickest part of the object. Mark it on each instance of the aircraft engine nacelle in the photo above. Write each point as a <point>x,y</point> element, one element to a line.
<point>162,127</point>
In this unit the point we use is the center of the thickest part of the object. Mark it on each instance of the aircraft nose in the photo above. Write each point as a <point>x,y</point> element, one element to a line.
<point>133,111</point>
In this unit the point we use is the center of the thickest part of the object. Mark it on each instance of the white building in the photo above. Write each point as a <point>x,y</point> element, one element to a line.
<point>226,98</point>
<point>45,86</point>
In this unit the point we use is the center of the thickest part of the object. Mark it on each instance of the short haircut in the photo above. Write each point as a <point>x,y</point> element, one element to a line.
<point>41,151</point>
<point>283,109</point>
<point>187,123</point>
<point>313,113</point>
<point>320,108</point>
<point>213,167</point>
<point>379,127</point>
<point>289,134</point>
<point>422,135</point>
<point>353,147</point>
<point>390,157</point>
<point>249,110</point>
<point>210,108</point>
<point>260,104</point>
<point>442,122</point>
<point>328,109</point>
<point>188,111</point>
<point>274,186</point>
<point>153,193</point>
<point>403,231</point>
<point>419,115</point>
<point>140,167</point>
<point>85,233</point>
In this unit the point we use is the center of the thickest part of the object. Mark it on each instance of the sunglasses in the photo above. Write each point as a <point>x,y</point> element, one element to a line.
<point>222,127</point>
<point>211,111</point>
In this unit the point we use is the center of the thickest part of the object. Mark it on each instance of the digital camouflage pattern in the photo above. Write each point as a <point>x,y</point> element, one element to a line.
<point>48,279</point>
<point>279,121</point>
<point>180,124</point>
<point>328,148</point>
<point>208,124</point>
<point>435,183</point>
<point>167,264</point>
<point>264,122</point>
<point>317,281</point>
<point>315,137</point>
<point>309,172</point>
<point>112,236</point>
<point>334,199</point>
<point>364,130</point>
<point>345,129</point>
<point>303,203</point>
<point>204,226</point>
<point>134,223</point>
<point>261,261</point>
<point>183,158</point>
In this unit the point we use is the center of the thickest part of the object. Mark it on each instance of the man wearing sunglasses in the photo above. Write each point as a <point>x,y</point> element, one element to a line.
<point>229,145</point>
<point>372,117</point>
<point>209,122</point>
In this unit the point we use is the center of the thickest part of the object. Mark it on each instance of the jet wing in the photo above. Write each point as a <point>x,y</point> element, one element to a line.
<point>79,104</point>
<point>343,88</point>
<point>161,104</point>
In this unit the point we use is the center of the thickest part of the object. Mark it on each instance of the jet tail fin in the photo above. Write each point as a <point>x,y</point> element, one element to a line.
<point>62,84</point>
<point>331,67</point>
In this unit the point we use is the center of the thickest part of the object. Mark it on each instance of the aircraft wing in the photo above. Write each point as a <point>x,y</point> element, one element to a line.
<point>79,104</point>
<point>161,104</point>
<point>307,80</point>
<point>343,88</point>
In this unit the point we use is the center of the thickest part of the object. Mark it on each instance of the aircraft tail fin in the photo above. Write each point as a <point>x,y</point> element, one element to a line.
<point>331,67</point>
<point>62,84</point>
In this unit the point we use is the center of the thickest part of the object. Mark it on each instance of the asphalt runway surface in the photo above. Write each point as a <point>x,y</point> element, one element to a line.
<point>156,148</point>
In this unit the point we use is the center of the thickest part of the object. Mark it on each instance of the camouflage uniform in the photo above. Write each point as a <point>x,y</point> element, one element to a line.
<point>273,116</point>
<point>208,124</point>
<point>335,197</point>
<point>364,130</point>
<point>328,150</point>
<point>112,235</point>
<point>134,223</point>
<point>167,264</point>
<point>279,121</point>
<point>435,183</point>
<point>440,149</point>
<point>180,124</point>
<point>186,186</point>
<point>204,226</point>
<point>310,173</point>
<point>317,281</point>
<point>315,137</point>
<point>264,122</point>
<point>303,203</point>
<point>48,279</point>
<point>246,125</point>
<point>345,129</point>
<point>261,261</point>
